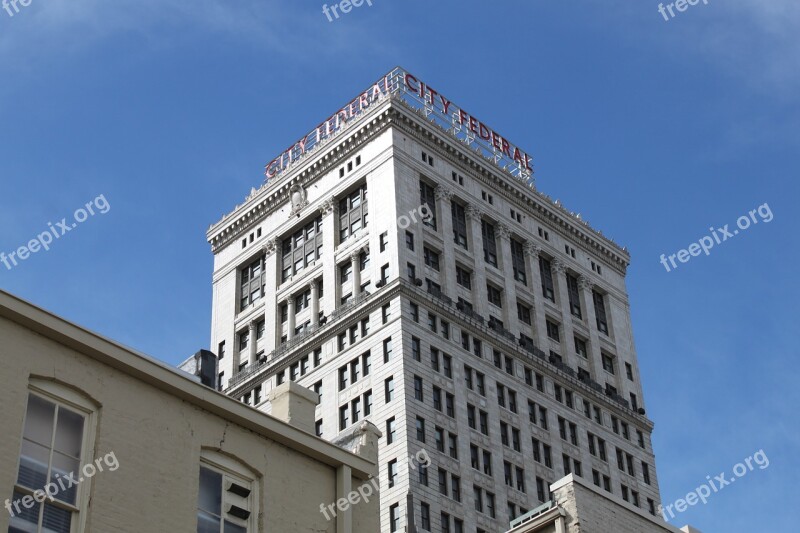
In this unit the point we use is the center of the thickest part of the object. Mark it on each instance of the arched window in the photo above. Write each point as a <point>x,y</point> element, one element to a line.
<point>227,499</point>
<point>57,441</point>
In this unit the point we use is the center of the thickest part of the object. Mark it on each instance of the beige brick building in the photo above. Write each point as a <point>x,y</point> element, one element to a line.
<point>152,450</point>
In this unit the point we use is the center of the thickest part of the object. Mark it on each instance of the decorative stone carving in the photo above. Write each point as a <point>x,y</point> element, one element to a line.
<point>585,283</point>
<point>532,249</point>
<point>328,206</point>
<point>559,267</point>
<point>270,247</point>
<point>299,199</point>
<point>473,212</point>
<point>443,193</point>
<point>503,231</point>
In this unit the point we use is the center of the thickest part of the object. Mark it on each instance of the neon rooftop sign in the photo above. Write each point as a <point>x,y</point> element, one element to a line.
<point>424,99</point>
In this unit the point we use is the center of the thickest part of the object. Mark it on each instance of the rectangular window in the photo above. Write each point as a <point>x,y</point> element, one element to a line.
<point>428,198</point>
<point>455,493</point>
<point>580,348</point>
<point>437,398</point>
<point>464,277</point>
<point>423,477</point>
<point>431,258</point>
<point>489,243</point>
<point>459,224</point>
<point>415,349</point>
<point>411,271</point>
<point>447,366</point>
<point>390,430</point>
<point>394,518</point>
<point>443,481</point>
<point>353,212</point>
<point>438,437</point>
<point>301,249</point>
<point>388,387</point>
<point>600,312</point>
<point>484,422</point>
<point>252,282</point>
<point>494,295</point>
<point>387,350</point>
<point>410,240</point>
<point>552,331</point>
<point>608,363</point>
<point>420,429</point>
<point>425,516</point>
<point>518,261</point>
<point>524,313</point>
<point>574,295</point>
<point>392,472</point>
<point>383,241</point>
<point>450,405</point>
<point>418,393</point>
<point>547,279</point>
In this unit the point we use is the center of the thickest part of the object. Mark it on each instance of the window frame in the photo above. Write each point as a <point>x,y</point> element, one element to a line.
<point>63,396</point>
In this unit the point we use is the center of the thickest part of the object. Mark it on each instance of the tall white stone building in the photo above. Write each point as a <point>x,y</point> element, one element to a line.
<point>494,333</point>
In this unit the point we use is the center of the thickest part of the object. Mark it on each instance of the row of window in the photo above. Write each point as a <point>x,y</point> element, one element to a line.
<point>476,380</point>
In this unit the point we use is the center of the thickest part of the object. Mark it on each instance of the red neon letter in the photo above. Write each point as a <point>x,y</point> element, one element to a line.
<point>409,77</point>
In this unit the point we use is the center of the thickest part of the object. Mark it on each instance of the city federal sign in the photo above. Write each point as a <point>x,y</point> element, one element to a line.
<point>419,96</point>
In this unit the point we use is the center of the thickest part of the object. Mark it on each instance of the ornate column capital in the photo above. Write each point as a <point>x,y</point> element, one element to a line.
<point>473,212</point>
<point>585,283</point>
<point>532,249</point>
<point>328,206</point>
<point>559,266</point>
<point>443,193</point>
<point>503,231</point>
<point>252,326</point>
<point>355,256</point>
<point>270,247</point>
<point>290,302</point>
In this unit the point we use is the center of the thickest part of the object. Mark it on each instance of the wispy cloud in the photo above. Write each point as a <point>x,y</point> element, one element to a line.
<point>759,41</point>
<point>49,26</point>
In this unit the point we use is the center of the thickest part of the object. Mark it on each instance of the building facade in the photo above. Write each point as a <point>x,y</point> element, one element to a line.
<point>577,505</point>
<point>99,438</point>
<point>400,262</point>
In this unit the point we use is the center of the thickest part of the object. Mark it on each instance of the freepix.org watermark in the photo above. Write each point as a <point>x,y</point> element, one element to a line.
<point>369,488</point>
<point>8,5</point>
<point>704,491</point>
<point>62,483</point>
<point>680,5</point>
<point>718,236</point>
<point>345,6</point>
<point>46,238</point>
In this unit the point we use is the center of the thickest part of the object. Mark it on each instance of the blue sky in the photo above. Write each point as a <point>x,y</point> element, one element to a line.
<point>654,130</point>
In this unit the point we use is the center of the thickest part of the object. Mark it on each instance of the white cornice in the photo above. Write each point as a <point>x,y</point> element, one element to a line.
<point>394,112</point>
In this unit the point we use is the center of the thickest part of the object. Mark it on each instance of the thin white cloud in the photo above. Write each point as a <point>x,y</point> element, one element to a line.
<point>292,29</point>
